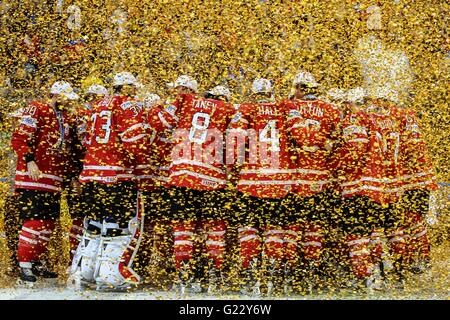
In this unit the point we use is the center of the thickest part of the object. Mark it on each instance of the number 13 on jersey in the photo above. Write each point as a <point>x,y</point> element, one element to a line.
<point>101,126</point>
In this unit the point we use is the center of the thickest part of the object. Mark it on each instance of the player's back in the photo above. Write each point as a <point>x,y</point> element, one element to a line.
<point>197,159</point>
<point>414,159</point>
<point>313,126</point>
<point>105,159</point>
<point>383,157</point>
<point>266,171</point>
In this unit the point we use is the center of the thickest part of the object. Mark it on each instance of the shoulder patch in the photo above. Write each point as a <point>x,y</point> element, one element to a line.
<point>29,121</point>
<point>126,105</point>
<point>294,114</point>
<point>237,117</point>
<point>171,109</point>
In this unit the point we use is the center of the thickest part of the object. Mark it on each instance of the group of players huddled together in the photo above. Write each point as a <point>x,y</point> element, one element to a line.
<point>285,174</point>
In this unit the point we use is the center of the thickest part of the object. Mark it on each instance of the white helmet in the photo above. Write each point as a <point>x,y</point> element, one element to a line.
<point>97,89</point>
<point>151,99</point>
<point>305,78</point>
<point>220,91</point>
<point>336,94</point>
<point>261,86</point>
<point>123,78</point>
<point>65,89</point>
<point>185,81</point>
<point>356,95</point>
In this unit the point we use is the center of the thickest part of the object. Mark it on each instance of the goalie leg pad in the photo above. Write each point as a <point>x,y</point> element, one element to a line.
<point>89,247</point>
<point>116,255</point>
<point>85,255</point>
<point>76,233</point>
<point>113,262</point>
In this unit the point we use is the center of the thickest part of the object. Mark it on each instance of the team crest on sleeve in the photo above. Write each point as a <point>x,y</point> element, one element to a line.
<point>237,117</point>
<point>294,114</point>
<point>126,105</point>
<point>171,109</point>
<point>133,106</point>
<point>29,121</point>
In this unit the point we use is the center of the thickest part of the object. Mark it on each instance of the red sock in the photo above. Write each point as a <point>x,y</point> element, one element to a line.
<point>183,246</point>
<point>215,243</point>
<point>250,244</point>
<point>76,232</point>
<point>417,242</point>
<point>376,245</point>
<point>290,244</point>
<point>33,240</point>
<point>397,243</point>
<point>312,242</point>
<point>359,255</point>
<point>273,242</point>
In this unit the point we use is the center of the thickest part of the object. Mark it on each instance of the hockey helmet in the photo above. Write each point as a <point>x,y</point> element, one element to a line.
<point>123,78</point>
<point>220,91</point>
<point>97,89</point>
<point>261,85</point>
<point>305,78</point>
<point>65,89</point>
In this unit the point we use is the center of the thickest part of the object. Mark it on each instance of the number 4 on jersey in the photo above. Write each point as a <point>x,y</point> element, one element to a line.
<point>273,139</point>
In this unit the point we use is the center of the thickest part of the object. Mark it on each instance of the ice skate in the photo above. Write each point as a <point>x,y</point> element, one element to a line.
<point>251,285</point>
<point>375,280</point>
<point>27,278</point>
<point>275,278</point>
<point>215,280</point>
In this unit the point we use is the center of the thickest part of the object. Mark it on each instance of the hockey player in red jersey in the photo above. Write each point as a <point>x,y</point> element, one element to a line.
<point>92,95</point>
<point>197,172</point>
<point>312,129</point>
<point>41,143</point>
<point>151,171</point>
<point>113,217</point>
<point>386,168</point>
<point>360,188</point>
<point>417,180</point>
<point>264,179</point>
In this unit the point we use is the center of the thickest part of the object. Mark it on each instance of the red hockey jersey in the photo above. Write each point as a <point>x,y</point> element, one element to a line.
<point>113,139</point>
<point>197,158</point>
<point>153,161</point>
<point>312,127</point>
<point>384,159</point>
<point>257,139</point>
<point>44,132</point>
<point>357,158</point>
<point>415,163</point>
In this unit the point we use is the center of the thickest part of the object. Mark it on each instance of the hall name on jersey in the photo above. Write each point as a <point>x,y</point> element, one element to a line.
<point>311,110</point>
<point>204,104</point>
<point>268,110</point>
